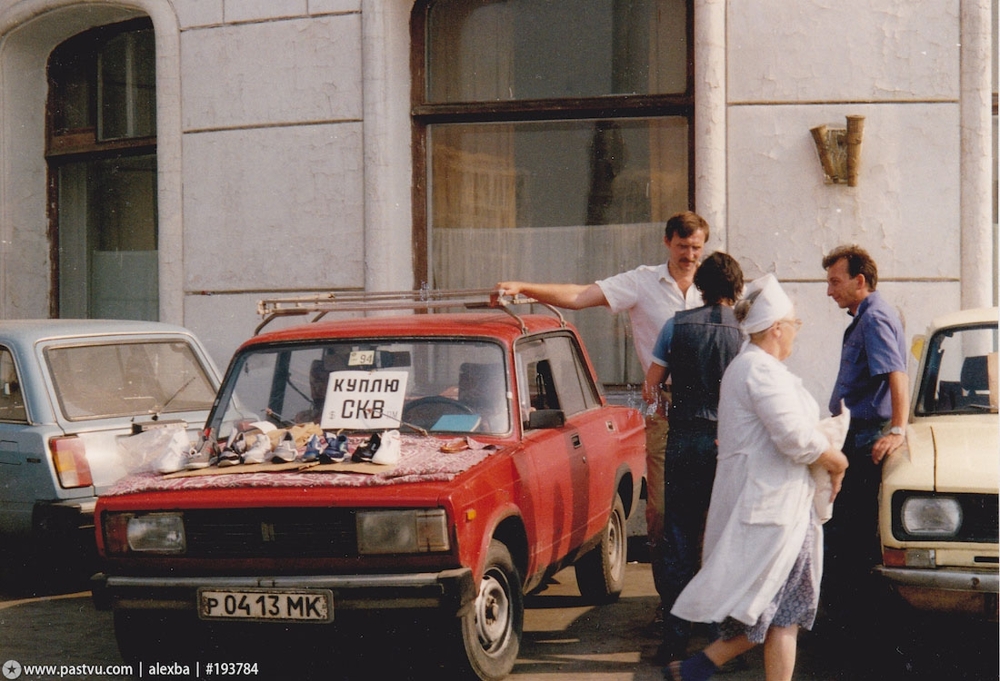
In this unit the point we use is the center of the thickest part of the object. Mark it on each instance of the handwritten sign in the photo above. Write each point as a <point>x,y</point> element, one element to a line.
<point>364,400</point>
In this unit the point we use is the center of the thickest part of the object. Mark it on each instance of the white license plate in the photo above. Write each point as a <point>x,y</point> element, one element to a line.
<point>305,605</point>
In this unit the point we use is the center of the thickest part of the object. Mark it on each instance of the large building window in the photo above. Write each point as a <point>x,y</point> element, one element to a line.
<point>101,152</point>
<point>553,141</point>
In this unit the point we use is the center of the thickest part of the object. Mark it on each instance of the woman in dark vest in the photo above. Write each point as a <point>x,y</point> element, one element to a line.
<point>693,349</point>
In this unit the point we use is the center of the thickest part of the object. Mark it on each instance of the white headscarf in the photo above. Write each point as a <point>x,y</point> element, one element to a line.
<point>770,305</point>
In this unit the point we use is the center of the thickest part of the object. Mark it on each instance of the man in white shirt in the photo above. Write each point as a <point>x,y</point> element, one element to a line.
<point>651,294</point>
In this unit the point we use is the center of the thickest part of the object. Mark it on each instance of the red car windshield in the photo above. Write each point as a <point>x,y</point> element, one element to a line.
<point>434,385</point>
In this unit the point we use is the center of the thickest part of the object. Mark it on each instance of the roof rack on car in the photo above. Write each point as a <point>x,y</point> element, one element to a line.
<point>421,299</point>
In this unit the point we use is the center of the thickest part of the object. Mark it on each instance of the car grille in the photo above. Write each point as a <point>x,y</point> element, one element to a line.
<point>271,533</point>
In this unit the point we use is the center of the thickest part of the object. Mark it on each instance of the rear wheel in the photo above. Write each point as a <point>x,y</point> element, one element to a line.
<point>491,631</point>
<point>600,573</point>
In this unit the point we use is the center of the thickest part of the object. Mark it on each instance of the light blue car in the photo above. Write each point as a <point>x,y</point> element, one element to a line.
<point>71,391</point>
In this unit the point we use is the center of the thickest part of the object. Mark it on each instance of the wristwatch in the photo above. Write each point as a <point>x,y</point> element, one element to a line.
<point>895,430</point>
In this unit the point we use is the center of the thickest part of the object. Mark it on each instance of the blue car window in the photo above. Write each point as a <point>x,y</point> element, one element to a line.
<point>11,400</point>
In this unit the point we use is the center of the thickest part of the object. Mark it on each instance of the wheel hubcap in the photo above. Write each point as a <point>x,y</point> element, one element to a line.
<point>616,544</point>
<point>492,611</point>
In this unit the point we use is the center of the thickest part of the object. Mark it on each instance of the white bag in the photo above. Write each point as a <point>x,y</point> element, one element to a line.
<point>835,429</point>
<point>163,450</point>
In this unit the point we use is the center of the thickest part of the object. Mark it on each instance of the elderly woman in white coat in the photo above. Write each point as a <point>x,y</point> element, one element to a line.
<point>762,559</point>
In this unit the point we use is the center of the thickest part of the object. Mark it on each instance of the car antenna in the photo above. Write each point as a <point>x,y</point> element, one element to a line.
<point>158,410</point>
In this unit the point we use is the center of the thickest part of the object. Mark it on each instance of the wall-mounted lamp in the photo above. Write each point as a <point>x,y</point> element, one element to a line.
<point>840,150</point>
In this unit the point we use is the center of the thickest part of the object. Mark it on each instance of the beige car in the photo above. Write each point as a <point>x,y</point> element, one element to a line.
<point>938,502</point>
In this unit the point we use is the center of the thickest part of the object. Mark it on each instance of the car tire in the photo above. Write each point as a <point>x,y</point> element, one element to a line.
<point>490,633</point>
<point>600,573</point>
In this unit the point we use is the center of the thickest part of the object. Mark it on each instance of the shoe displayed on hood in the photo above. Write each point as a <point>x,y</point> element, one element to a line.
<point>389,451</point>
<point>314,448</point>
<point>336,449</point>
<point>258,451</point>
<point>285,451</point>
<point>367,451</point>
<point>202,455</point>
<point>232,453</point>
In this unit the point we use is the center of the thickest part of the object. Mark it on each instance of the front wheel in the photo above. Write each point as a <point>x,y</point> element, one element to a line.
<point>600,573</point>
<point>491,631</point>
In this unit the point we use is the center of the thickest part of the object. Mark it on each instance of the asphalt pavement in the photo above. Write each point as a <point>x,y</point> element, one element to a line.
<point>55,625</point>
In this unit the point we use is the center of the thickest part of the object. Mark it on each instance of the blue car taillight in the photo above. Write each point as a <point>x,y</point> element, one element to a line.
<point>69,457</point>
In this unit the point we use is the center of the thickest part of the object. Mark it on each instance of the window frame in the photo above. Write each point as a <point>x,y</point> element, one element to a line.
<point>565,358</point>
<point>81,144</point>
<point>423,114</point>
<point>13,413</point>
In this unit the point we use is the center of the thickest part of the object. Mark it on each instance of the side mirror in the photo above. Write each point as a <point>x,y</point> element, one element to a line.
<point>546,418</point>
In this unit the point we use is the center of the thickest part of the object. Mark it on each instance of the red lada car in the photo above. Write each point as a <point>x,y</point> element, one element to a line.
<point>425,467</point>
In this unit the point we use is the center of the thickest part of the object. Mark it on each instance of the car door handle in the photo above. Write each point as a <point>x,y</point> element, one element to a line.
<point>575,439</point>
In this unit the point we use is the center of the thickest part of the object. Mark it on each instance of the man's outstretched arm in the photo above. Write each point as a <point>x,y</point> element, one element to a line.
<point>569,296</point>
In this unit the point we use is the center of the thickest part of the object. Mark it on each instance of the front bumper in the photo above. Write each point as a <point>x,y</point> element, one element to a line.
<point>449,591</point>
<point>971,592</point>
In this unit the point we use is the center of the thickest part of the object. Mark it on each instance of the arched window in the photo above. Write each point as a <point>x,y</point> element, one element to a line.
<point>553,140</point>
<point>101,153</point>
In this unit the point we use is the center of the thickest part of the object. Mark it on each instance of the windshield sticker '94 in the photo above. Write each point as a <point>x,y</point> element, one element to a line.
<point>361,358</point>
<point>365,400</point>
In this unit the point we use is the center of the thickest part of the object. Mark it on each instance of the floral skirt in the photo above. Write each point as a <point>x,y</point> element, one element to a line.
<point>795,602</point>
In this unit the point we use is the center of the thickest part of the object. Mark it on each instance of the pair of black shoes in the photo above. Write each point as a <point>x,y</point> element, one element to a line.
<point>366,452</point>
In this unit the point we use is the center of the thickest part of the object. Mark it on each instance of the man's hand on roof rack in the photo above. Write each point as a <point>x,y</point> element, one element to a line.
<point>421,299</point>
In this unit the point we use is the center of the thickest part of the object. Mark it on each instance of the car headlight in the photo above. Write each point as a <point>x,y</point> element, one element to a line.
<point>931,516</point>
<point>156,532</point>
<point>408,531</point>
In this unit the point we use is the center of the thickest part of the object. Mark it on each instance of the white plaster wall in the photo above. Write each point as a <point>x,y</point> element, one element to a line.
<point>223,322</point>
<point>193,13</point>
<point>794,66</point>
<point>24,244</point>
<point>273,156</point>
<point>273,162</point>
<point>297,159</point>
<point>317,6</point>
<point>783,217</point>
<point>297,71</point>
<point>256,10</point>
<point>275,208</point>
<point>293,167</point>
<point>388,150</point>
<point>843,50</point>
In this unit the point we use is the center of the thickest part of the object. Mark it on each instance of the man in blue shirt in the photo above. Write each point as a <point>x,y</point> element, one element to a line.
<point>873,384</point>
